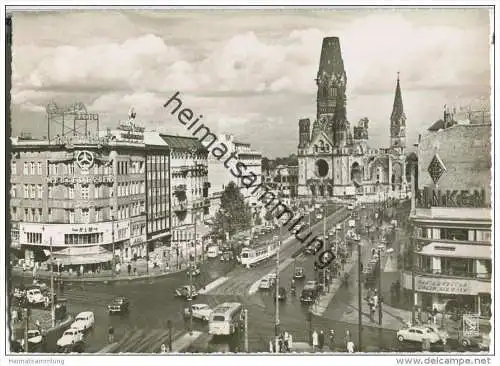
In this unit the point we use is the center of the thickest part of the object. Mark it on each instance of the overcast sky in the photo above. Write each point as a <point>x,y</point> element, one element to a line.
<point>250,73</point>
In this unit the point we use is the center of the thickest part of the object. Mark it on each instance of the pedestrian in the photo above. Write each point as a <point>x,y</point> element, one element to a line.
<point>350,346</point>
<point>321,340</point>
<point>286,340</point>
<point>81,269</point>
<point>135,270</point>
<point>271,346</point>
<point>111,334</point>
<point>129,269</point>
<point>434,315</point>
<point>347,337</point>
<point>315,341</point>
<point>290,341</point>
<point>163,348</point>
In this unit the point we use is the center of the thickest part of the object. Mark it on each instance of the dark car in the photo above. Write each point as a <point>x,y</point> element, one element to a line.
<point>309,292</point>
<point>281,294</point>
<point>186,292</point>
<point>78,347</point>
<point>119,305</point>
<point>299,273</point>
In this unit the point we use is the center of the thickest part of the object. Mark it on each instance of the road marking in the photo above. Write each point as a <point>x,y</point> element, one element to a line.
<point>213,285</point>
<point>283,265</point>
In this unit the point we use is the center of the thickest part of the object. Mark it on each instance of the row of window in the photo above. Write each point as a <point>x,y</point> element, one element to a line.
<point>138,229</point>
<point>130,167</point>
<point>69,169</point>
<point>129,188</point>
<point>155,225</point>
<point>134,209</point>
<point>94,238</point>
<point>34,238</point>
<point>454,234</point>
<point>29,168</point>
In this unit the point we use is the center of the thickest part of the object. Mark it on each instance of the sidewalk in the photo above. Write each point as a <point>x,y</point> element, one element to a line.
<point>318,308</point>
<point>107,276</point>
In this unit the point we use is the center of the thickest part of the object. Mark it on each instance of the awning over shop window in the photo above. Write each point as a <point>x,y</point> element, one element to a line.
<point>82,255</point>
<point>457,250</point>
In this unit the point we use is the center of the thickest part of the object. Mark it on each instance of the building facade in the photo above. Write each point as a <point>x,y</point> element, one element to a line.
<point>452,219</point>
<point>283,178</point>
<point>334,159</point>
<point>158,208</point>
<point>81,197</point>
<point>189,188</point>
<point>220,176</point>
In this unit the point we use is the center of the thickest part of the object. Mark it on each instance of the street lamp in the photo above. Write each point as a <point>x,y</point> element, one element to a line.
<point>113,245</point>
<point>360,295</point>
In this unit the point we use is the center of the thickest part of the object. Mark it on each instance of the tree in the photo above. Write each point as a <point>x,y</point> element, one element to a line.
<point>234,214</point>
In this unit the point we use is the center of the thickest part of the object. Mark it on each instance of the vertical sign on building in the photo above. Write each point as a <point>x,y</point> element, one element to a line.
<point>470,325</point>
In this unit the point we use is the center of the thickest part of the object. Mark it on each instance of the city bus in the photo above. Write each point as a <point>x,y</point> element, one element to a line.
<point>225,318</point>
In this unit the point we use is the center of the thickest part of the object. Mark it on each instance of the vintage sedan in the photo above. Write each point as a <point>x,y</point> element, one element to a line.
<point>200,311</point>
<point>418,334</point>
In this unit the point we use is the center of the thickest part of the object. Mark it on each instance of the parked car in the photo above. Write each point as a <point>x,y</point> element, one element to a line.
<point>186,292</point>
<point>281,294</point>
<point>119,305</point>
<point>69,337</point>
<point>418,334</point>
<point>194,271</point>
<point>310,292</point>
<point>299,273</point>
<point>200,311</point>
<point>84,321</point>
<point>35,296</point>
<point>265,284</point>
<point>34,338</point>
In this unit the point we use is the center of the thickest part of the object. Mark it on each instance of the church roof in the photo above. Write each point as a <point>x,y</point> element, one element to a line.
<point>397,107</point>
<point>331,61</point>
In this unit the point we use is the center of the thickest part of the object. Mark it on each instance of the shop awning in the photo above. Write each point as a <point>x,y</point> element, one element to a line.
<point>457,250</point>
<point>82,255</point>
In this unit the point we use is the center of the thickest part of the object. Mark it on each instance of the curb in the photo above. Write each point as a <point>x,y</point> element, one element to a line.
<point>100,280</point>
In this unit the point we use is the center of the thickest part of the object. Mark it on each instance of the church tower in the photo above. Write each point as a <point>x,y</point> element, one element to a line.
<point>331,83</point>
<point>398,120</point>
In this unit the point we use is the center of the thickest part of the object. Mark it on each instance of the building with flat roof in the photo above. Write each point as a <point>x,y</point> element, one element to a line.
<point>81,197</point>
<point>452,219</point>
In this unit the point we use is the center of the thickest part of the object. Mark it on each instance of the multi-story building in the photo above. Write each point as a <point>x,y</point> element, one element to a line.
<point>189,187</point>
<point>452,219</point>
<point>158,193</point>
<point>83,197</point>
<point>283,178</point>
<point>334,161</point>
<point>220,176</point>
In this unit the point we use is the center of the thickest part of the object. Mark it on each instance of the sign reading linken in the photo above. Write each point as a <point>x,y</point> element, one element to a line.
<point>428,197</point>
<point>444,286</point>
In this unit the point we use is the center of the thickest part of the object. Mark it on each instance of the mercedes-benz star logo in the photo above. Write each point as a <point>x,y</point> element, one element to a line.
<point>85,160</point>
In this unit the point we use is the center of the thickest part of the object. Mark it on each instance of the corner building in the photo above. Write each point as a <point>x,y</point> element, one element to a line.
<point>334,159</point>
<point>452,219</point>
<point>81,196</point>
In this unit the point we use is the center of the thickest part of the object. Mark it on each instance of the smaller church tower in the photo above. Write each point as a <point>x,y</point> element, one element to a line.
<point>398,120</point>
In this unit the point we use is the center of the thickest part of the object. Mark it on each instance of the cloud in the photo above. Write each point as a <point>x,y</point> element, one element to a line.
<point>249,71</point>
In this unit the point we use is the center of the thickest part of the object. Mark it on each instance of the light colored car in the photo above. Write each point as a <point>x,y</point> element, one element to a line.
<point>34,336</point>
<point>350,206</point>
<point>83,321</point>
<point>418,334</point>
<point>200,311</point>
<point>70,336</point>
<point>35,296</point>
<point>265,284</point>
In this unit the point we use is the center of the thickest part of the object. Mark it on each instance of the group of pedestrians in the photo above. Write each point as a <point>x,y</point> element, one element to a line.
<point>282,343</point>
<point>318,341</point>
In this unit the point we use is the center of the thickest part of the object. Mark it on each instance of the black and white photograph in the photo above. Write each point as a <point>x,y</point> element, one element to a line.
<point>278,180</point>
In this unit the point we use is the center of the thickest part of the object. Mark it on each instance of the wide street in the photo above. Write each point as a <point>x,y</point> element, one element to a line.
<point>153,303</point>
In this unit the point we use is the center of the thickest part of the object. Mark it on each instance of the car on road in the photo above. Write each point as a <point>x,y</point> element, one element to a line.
<point>70,337</point>
<point>194,270</point>
<point>83,321</point>
<point>310,292</point>
<point>313,248</point>
<point>34,338</point>
<point>119,305</point>
<point>186,292</point>
<point>200,311</point>
<point>35,296</point>
<point>299,273</point>
<point>281,294</point>
<point>265,284</point>
<point>418,334</point>
<point>350,206</point>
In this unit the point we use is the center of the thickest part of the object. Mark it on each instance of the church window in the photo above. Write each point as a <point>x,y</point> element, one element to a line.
<point>321,145</point>
<point>315,148</point>
<point>327,147</point>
